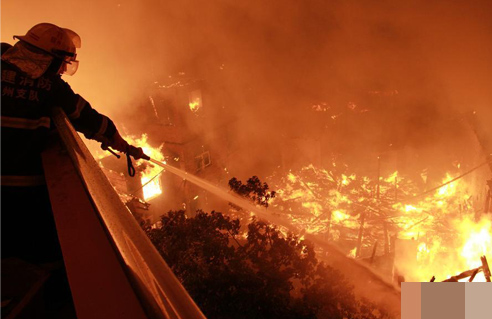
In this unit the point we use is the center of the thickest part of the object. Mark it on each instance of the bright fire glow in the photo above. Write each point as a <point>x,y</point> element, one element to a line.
<point>447,238</point>
<point>447,190</point>
<point>195,105</point>
<point>477,242</point>
<point>154,187</point>
<point>195,101</point>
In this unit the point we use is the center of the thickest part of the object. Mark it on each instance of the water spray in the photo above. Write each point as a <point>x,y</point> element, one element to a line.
<point>381,290</point>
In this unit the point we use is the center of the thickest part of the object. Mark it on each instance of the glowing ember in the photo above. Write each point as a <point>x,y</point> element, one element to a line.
<point>195,101</point>
<point>392,178</point>
<point>352,252</point>
<point>194,106</point>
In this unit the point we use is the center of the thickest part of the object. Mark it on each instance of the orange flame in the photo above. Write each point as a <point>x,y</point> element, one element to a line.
<point>449,241</point>
<point>153,187</point>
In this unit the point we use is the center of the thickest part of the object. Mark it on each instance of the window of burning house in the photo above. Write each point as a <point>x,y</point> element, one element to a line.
<point>195,101</point>
<point>162,106</point>
<point>202,161</point>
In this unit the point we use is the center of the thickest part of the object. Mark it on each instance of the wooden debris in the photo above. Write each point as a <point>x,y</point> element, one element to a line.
<point>485,268</point>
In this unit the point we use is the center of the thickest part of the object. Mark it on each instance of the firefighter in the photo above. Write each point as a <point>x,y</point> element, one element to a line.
<point>31,86</point>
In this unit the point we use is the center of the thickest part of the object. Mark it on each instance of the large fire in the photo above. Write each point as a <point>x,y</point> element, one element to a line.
<point>149,176</point>
<point>441,224</point>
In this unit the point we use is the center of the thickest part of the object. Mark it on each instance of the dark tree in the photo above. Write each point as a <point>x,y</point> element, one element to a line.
<point>261,274</point>
<point>253,189</point>
<point>266,275</point>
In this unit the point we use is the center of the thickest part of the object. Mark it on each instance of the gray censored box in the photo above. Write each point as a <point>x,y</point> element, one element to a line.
<point>443,300</point>
<point>478,304</point>
<point>446,300</point>
<point>411,300</point>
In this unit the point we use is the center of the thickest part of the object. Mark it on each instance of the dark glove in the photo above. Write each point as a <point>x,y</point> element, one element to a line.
<point>137,153</point>
<point>117,143</point>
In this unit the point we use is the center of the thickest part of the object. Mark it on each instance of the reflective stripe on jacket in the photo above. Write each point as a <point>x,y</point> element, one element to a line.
<point>26,124</point>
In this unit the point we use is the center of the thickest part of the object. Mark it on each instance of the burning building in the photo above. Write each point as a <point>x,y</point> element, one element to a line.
<point>411,210</point>
<point>181,126</point>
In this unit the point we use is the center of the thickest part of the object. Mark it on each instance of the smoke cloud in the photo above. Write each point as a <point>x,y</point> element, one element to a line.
<point>278,56</point>
<point>277,59</point>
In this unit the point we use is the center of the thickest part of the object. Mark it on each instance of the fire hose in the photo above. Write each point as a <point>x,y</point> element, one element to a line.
<point>131,151</point>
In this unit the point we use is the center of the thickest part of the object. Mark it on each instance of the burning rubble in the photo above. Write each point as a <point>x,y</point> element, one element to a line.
<point>435,233</point>
<point>402,224</point>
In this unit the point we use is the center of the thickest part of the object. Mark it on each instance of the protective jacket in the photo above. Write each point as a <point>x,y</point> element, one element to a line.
<point>25,122</point>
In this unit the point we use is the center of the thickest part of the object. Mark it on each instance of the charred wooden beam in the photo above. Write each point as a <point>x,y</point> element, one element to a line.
<point>463,275</point>
<point>485,268</point>
<point>473,275</point>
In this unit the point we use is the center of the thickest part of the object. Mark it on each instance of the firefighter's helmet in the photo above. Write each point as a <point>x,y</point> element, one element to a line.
<point>59,42</point>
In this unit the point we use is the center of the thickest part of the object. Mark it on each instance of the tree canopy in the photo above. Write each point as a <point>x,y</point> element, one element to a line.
<point>261,273</point>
